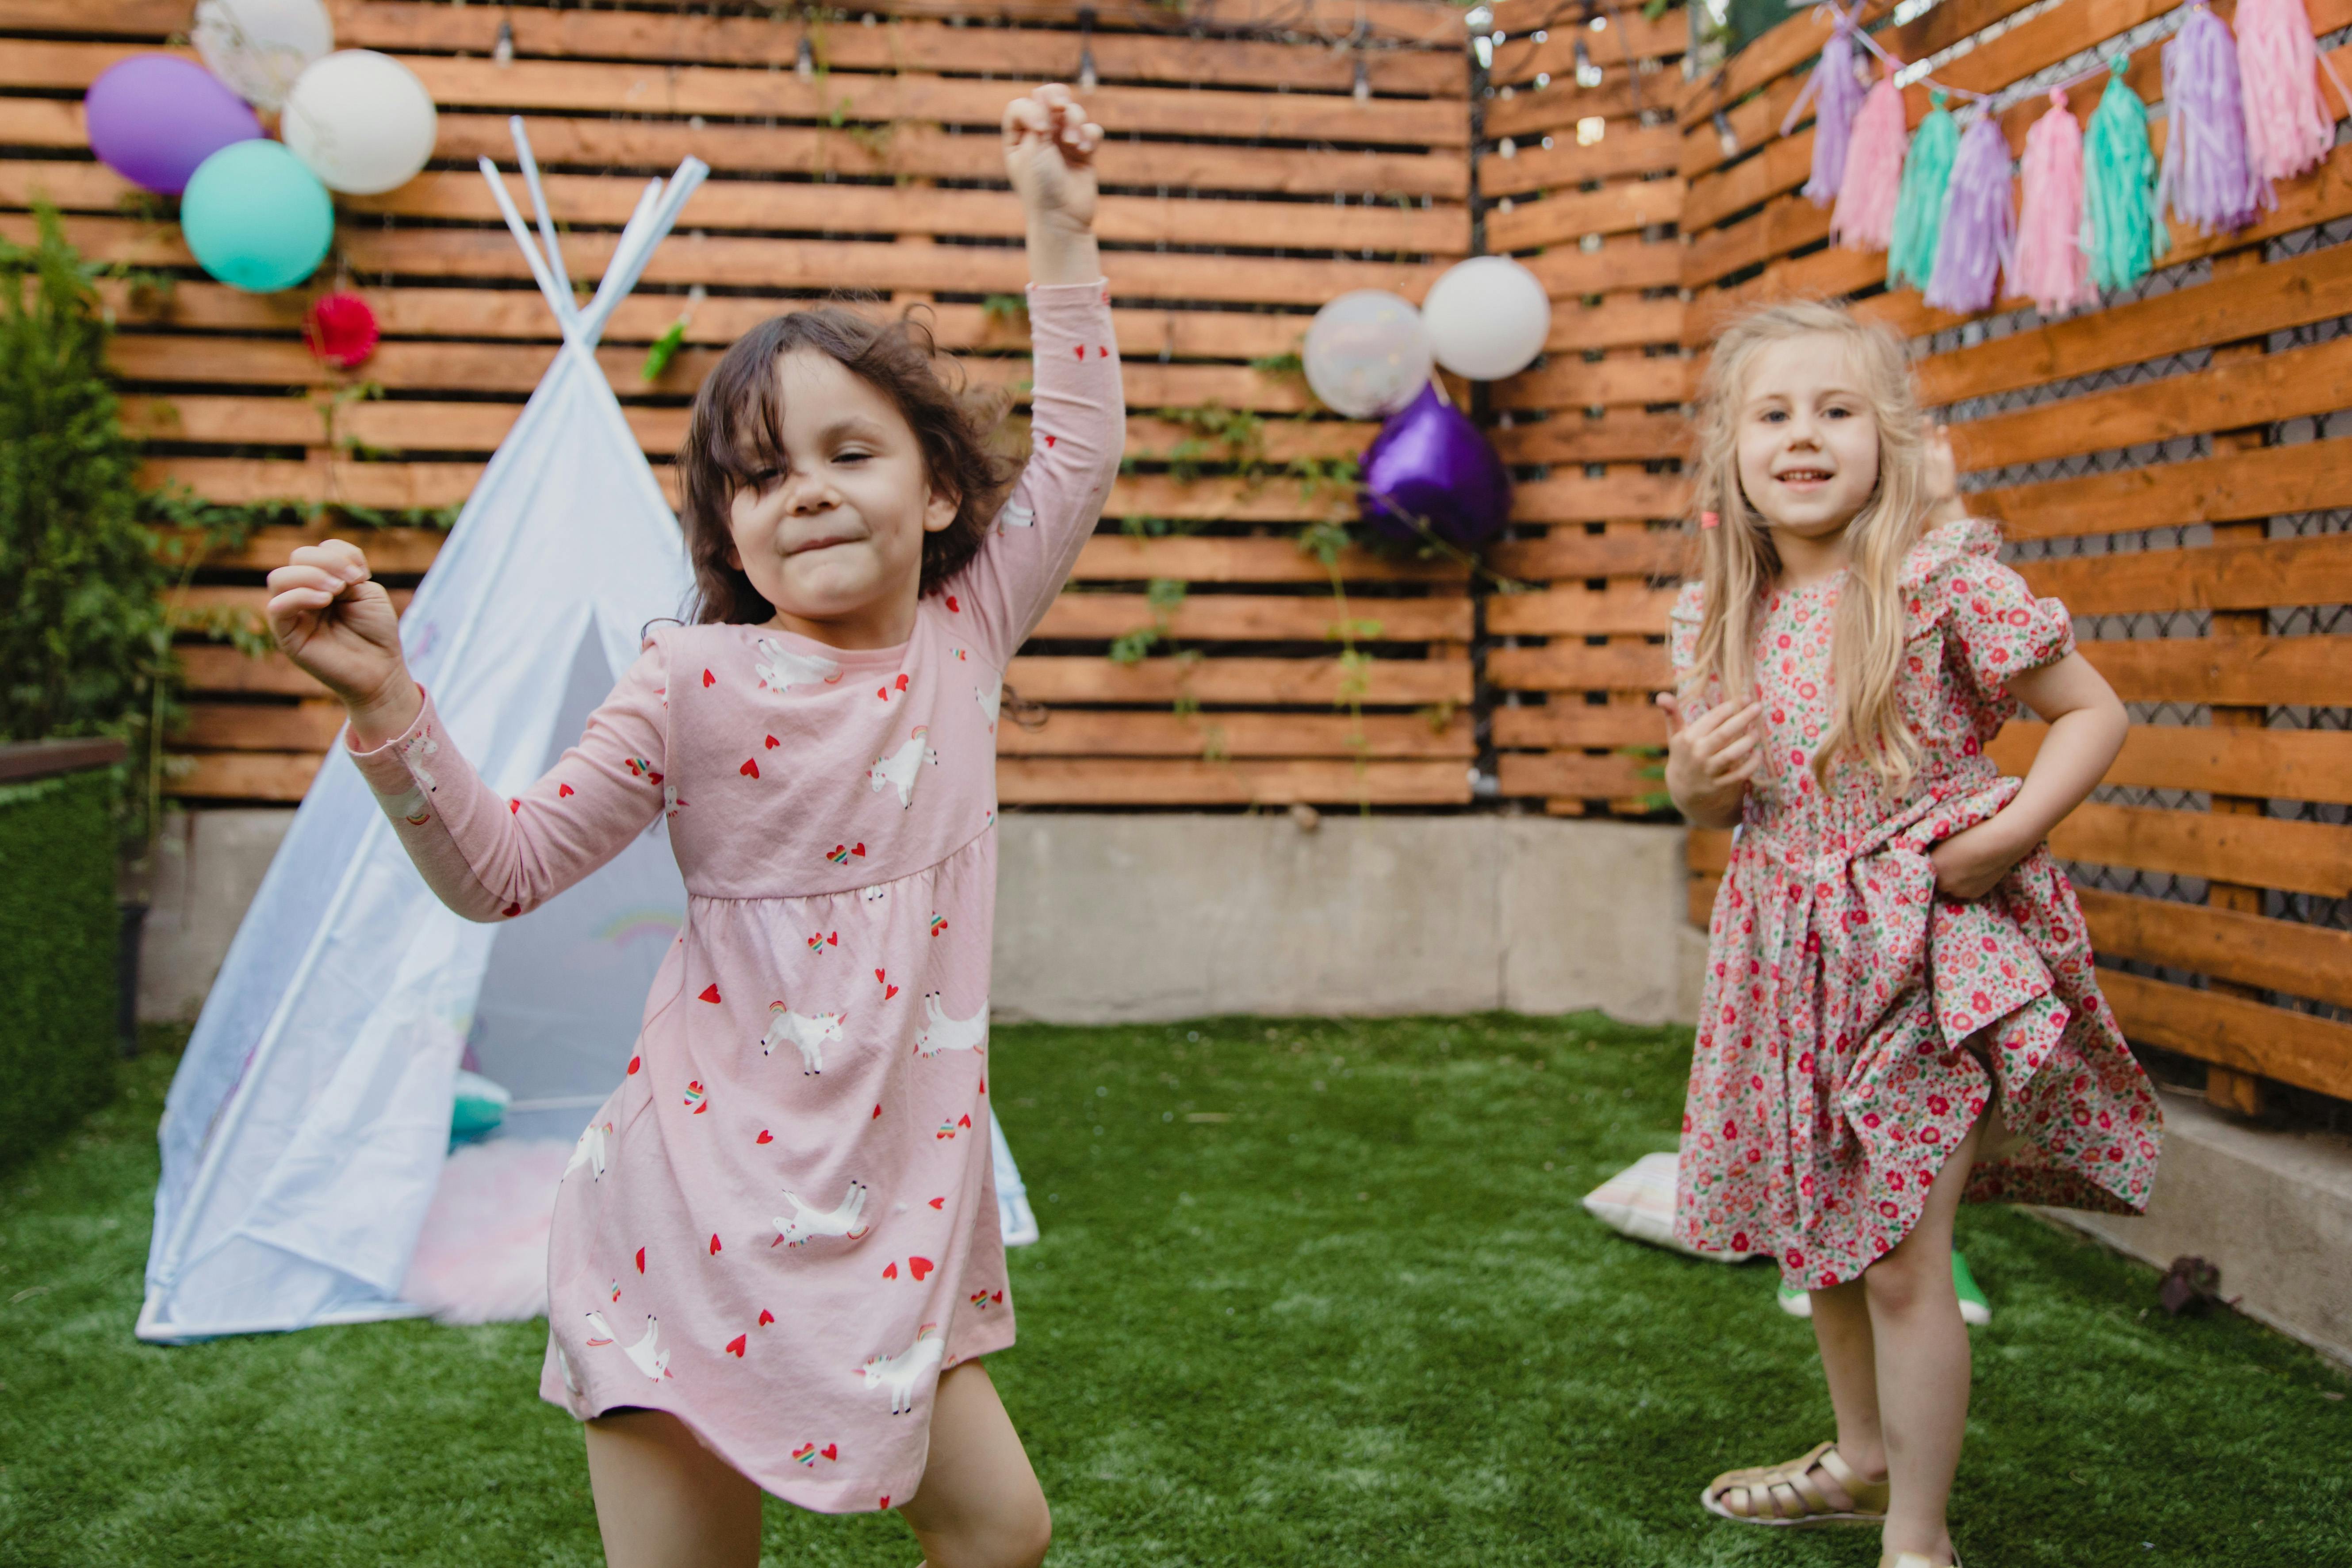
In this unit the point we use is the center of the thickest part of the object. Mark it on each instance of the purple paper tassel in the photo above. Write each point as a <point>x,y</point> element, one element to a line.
<point>1836,93</point>
<point>1980,222</point>
<point>2209,178</point>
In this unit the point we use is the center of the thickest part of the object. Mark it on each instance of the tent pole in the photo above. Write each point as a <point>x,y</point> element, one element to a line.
<point>546,224</point>
<point>565,314</point>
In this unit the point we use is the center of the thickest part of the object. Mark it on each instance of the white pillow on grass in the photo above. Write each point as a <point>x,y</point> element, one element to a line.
<point>1639,1202</point>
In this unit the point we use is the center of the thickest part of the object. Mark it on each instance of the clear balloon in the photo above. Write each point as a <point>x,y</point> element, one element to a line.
<point>256,219</point>
<point>361,121</point>
<point>1366,355</point>
<point>152,119</point>
<point>261,47</point>
<point>1487,318</point>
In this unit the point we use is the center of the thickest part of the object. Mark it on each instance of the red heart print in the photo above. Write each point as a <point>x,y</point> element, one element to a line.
<point>952,606</point>
<point>750,768</point>
<point>640,1260</point>
<point>876,1116</point>
<point>513,806</point>
<point>1082,350</point>
<point>918,1266</point>
<point>939,1203</point>
<point>984,1086</point>
<point>833,938</point>
<point>765,1137</point>
<point>964,1121</point>
<point>889,991</point>
<point>710,679</point>
<point>1049,440</point>
<point>564,792</point>
<point>634,1063</point>
<point>511,911</point>
<point>831,1450</point>
<point>766,1317</point>
<point>710,993</point>
<point>878,975</point>
<point>997,1297</point>
<point>891,1269</point>
<point>714,1243</point>
<point>886,1499</point>
<point>773,742</point>
<point>859,850</point>
<point>1102,351</point>
<point>735,1346</point>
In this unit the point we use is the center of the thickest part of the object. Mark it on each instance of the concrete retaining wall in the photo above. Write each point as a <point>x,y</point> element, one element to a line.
<point>1104,918</point>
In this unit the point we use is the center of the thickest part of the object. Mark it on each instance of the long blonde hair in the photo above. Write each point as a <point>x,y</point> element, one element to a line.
<point>1739,563</point>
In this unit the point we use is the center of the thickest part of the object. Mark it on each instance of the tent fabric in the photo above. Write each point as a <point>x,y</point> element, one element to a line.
<point>305,1132</point>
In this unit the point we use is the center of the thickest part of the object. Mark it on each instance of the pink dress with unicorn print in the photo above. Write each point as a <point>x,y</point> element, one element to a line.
<point>1850,1009</point>
<point>782,1226</point>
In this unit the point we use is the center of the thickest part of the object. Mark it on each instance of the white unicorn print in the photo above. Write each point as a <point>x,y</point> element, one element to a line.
<point>899,1372</point>
<point>1016,515</point>
<point>590,1150</point>
<point>647,1354</point>
<point>991,699</point>
<point>844,1219</point>
<point>900,767</point>
<point>808,1033</point>
<point>942,1033</point>
<point>779,669</point>
<point>414,750</point>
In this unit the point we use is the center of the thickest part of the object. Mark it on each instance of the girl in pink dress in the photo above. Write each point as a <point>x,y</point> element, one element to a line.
<point>1900,1009</point>
<point>775,1261</point>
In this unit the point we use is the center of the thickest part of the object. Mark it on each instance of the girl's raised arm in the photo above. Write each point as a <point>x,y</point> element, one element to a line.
<point>485,857</point>
<point>1078,408</point>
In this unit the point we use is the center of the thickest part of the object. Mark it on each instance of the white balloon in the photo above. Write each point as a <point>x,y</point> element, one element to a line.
<point>360,121</point>
<point>1487,318</point>
<point>261,47</point>
<point>1366,355</point>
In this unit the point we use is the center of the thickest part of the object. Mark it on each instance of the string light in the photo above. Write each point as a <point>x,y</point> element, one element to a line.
<point>1363,82</point>
<point>805,61</point>
<point>1087,76</point>
<point>1587,75</point>
<point>502,52</point>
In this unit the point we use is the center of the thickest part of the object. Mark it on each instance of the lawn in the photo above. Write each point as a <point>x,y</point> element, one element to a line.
<point>1310,1293</point>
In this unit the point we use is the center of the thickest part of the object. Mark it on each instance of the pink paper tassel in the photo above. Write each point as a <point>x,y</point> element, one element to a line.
<point>2053,270</point>
<point>1864,218</point>
<point>1980,222</point>
<point>2288,128</point>
<point>2208,178</point>
<point>1835,94</point>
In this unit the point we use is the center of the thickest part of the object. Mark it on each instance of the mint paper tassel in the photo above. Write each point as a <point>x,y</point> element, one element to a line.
<point>1919,210</point>
<point>2120,226</point>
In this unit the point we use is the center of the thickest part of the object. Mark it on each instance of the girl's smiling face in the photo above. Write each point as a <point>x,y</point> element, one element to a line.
<point>831,534</point>
<point>1808,440</point>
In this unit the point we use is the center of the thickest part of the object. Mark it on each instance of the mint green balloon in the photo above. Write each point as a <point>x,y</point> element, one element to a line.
<point>256,219</point>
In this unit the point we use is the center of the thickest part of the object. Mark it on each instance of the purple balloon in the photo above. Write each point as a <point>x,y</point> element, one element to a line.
<point>153,118</point>
<point>1429,462</point>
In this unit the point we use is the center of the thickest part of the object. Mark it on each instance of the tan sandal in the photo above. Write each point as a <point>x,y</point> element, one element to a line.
<point>1788,1495</point>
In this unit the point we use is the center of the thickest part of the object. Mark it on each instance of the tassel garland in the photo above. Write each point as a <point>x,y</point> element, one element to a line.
<point>2051,270</point>
<point>2208,178</point>
<point>2121,229</point>
<point>1835,94</point>
<point>1979,223</point>
<point>1919,207</point>
<point>2288,128</point>
<point>1864,218</point>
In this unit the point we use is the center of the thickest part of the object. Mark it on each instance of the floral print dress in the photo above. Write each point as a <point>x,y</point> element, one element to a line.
<point>1849,1010</point>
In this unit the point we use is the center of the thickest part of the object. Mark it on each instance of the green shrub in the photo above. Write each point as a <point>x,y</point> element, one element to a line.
<point>85,642</point>
<point>60,929</point>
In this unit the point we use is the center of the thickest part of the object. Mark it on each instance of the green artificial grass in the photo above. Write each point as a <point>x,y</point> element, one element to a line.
<point>58,931</point>
<point>1308,1294</point>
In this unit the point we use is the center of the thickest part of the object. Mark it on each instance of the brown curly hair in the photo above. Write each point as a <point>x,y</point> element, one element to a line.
<point>735,433</point>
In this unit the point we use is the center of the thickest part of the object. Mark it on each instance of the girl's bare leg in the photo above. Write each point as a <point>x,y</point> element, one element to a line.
<point>1922,1349</point>
<point>664,1500</point>
<point>980,1505</point>
<point>1849,1362</point>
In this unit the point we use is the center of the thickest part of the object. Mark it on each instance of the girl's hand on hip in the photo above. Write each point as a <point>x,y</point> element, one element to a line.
<point>1971,862</point>
<point>336,621</point>
<point>1049,155</point>
<point>1710,760</point>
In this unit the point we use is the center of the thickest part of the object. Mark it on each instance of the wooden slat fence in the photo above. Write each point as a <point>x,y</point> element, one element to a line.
<point>2174,464</point>
<point>1258,166</point>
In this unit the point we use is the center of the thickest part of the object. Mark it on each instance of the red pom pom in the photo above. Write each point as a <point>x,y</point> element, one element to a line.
<point>340,329</point>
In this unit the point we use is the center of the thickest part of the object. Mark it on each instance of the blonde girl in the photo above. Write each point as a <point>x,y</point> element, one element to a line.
<point>1900,1011</point>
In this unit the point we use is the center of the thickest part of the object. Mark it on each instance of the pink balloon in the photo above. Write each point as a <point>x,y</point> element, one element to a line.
<point>153,118</point>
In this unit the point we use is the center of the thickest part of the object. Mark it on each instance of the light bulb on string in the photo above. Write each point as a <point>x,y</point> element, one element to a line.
<point>805,60</point>
<point>502,52</point>
<point>1587,75</point>
<point>1363,82</point>
<point>1087,78</point>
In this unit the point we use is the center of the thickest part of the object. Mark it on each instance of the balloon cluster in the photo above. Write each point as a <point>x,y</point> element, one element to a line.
<point>1429,473</point>
<point>256,212</point>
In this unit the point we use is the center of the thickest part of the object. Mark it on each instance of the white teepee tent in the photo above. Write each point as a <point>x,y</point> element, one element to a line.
<point>305,1134</point>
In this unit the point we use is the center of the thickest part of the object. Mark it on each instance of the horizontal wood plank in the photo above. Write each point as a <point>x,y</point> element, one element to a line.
<point>2299,960</point>
<point>2252,851</point>
<point>2276,765</point>
<point>2233,1032</point>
